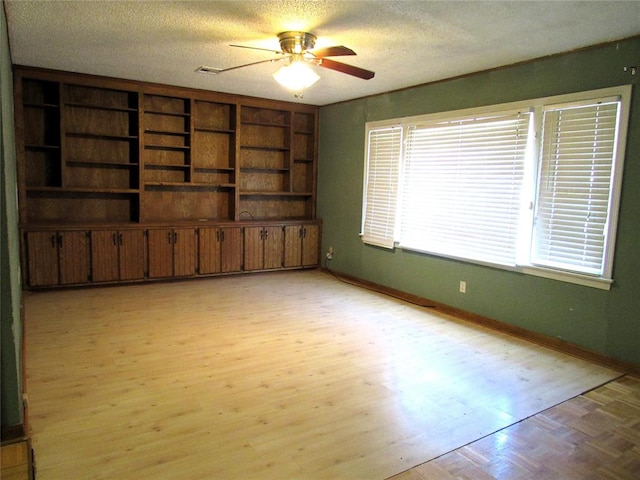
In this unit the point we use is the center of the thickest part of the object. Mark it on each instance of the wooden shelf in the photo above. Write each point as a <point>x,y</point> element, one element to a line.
<point>42,147</point>
<point>190,184</point>
<point>102,136</point>
<point>73,190</point>
<point>246,193</point>
<point>166,165</point>
<point>167,147</point>
<point>104,150</point>
<point>168,114</point>
<point>101,107</point>
<point>267,124</point>
<point>92,164</point>
<point>265,169</point>
<point>42,105</point>
<point>167,132</point>
<point>214,130</point>
<point>266,148</point>
<point>214,169</point>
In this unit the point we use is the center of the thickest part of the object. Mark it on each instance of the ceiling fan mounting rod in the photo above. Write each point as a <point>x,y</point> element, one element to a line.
<point>296,42</point>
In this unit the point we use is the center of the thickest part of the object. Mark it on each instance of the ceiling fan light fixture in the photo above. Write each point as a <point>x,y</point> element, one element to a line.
<point>296,76</point>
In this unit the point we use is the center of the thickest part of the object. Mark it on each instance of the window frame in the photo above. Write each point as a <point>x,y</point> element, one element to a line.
<point>536,106</point>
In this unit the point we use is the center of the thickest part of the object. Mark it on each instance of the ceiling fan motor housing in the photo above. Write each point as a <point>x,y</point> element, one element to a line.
<point>296,42</point>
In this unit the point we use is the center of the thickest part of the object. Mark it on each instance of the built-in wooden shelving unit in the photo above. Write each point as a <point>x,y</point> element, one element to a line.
<point>105,156</point>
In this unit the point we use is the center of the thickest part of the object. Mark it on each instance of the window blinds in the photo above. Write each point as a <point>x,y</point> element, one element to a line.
<point>462,187</point>
<point>381,186</point>
<point>577,158</point>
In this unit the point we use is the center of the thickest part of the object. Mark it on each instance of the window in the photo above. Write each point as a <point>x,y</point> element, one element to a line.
<point>384,146</point>
<point>532,186</point>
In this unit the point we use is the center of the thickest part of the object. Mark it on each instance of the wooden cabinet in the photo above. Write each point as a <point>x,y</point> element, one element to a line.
<point>118,157</point>
<point>301,248</point>
<point>117,255</point>
<point>263,247</point>
<point>220,250</point>
<point>172,252</point>
<point>57,258</point>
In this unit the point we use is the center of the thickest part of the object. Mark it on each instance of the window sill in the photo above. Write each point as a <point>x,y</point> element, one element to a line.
<point>560,275</point>
<point>578,279</point>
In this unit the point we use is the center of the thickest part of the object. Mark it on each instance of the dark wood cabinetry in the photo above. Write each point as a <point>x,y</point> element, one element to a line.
<point>172,252</point>
<point>263,247</point>
<point>220,250</point>
<point>301,245</point>
<point>117,255</point>
<point>119,158</point>
<point>57,258</point>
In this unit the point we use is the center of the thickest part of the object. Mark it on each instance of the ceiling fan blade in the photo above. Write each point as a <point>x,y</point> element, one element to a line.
<point>250,64</point>
<point>348,69</point>
<point>279,52</point>
<point>332,52</point>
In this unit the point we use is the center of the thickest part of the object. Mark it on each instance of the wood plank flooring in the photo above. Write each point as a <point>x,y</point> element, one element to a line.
<point>290,375</point>
<point>592,436</point>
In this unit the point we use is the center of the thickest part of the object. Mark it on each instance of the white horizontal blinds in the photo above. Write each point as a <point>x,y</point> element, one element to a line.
<point>462,186</point>
<point>577,157</point>
<point>381,186</point>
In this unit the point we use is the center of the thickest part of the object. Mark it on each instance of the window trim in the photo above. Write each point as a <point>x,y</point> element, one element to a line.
<point>622,92</point>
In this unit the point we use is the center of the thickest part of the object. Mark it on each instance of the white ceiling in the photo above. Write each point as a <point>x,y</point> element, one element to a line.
<point>405,42</point>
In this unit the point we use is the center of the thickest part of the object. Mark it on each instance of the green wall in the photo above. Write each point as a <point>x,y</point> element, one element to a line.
<point>10,299</point>
<point>604,321</point>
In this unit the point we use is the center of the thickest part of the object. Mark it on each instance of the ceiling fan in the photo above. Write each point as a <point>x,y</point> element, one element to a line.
<point>297,49</point>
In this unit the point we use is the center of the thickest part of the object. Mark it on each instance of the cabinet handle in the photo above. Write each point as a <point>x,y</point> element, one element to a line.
<point>217,235</point>
<point>114,239</point>
<point>222,236</point>
<point>59,241</point>
<point>120,239</point>
<point>266,233</point>
<point>53,241</point>
<point>169,237</point>
<point>175,238</point>
<point>300,233</point>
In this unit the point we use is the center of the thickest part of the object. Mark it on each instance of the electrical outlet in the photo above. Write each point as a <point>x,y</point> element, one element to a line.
<point>330,254</point>
<point>463,286</point>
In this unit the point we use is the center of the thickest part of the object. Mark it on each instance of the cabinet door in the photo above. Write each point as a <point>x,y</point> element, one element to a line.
<point>273,247</point>
<point>310,245</point>
<point>131,254</point>
<point>42,258</point>
<point>104,255</point>
<point>160,248</point>
<point>253,248</point>
<point>184,252</point>
<point>73,250</point>
<point>209,250</point>
<point>231,249</point>
<point>293,245</point>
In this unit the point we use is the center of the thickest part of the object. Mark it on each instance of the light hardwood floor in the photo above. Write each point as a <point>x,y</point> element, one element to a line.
<point>284,375</point>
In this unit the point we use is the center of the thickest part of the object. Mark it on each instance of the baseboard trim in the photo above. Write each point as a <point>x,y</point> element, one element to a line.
<point>515,331</point>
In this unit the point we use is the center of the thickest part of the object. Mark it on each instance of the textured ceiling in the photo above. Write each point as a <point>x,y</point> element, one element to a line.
<point>405,42</point>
